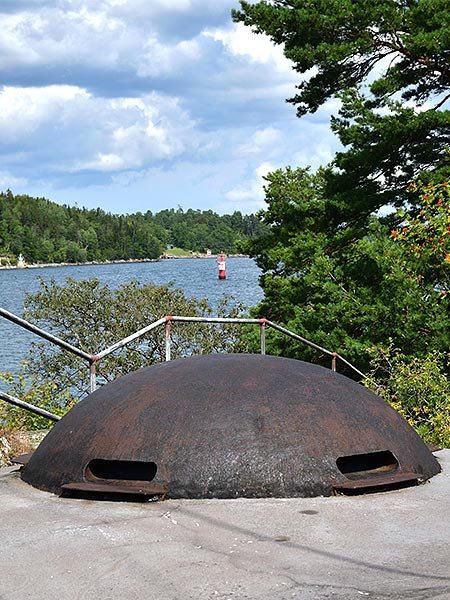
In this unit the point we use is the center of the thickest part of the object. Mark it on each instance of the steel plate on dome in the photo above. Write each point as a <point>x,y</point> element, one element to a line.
<point>226,426</point>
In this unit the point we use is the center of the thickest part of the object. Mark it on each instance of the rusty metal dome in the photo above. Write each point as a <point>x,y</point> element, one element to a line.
<point>226,426</point>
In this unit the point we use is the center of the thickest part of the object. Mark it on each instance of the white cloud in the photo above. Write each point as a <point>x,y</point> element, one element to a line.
<point>167,98</point>
<point>64,38</point>
<point>9,182</point>
<point>23,111</point>
<point>241,41</point>
<point>249,196</point>
<point>161,59</point>
<point>84,132</point>
<point>315,155</point>
<point>108,34</point>
<point>266,140</point>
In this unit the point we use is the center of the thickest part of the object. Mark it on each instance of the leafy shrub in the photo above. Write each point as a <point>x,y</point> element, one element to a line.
<point>417,388</point>
<point>92,316</point>
<point>45,395</point>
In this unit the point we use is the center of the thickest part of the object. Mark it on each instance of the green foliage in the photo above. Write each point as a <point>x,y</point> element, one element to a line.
<point>45,232</point>
<point>42,394</point>
<point>387,145</point>
<point>198,231</point>
<point>424,235</point>
<point>337,44</point>
<point>93,317</point>
<point>387,62</point>
<point>177,252</point>
<point>417,388</point>
<point>344,290</point>
<point>331,270</point>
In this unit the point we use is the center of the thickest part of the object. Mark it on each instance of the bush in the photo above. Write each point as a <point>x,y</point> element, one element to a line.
<point>44,395</point>
<point>417,388</point>
<point>92,317</point>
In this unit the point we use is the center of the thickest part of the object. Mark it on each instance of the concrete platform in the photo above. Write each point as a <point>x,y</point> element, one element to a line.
<point>392,545</point>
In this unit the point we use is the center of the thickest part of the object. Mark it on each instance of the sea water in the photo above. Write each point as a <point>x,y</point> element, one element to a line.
<point>197,277</point>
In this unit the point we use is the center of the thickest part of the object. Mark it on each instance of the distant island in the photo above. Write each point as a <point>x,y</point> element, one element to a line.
<point>37,232</point>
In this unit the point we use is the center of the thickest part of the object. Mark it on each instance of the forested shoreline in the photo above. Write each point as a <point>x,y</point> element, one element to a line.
<point>44,232</point>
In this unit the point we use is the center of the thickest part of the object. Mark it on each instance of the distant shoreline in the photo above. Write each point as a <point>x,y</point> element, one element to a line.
<point>77,264</point>
<point>116,262</point>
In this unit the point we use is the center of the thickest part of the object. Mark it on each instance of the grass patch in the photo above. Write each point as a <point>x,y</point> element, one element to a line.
<point>177,252</point>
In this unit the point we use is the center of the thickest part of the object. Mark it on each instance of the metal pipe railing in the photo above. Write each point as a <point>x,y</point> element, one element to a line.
<point>44,334</point>
<point>29,407</point>
<point>130,338</point>
<point>92,359</point>
<point>299,338</point>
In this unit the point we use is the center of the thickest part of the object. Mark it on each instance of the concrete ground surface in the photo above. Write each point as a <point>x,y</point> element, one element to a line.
<point>387,545</point>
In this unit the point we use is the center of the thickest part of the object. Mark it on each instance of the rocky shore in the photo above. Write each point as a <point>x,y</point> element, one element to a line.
<point>78,264</point>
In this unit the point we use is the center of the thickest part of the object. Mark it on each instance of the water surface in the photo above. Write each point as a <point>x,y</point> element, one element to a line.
<point>197,277</point>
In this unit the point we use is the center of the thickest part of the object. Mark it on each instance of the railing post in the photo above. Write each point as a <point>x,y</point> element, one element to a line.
<point>333,361</point>
<point>262,328</point>
<point>93,374</point>
<point>167,339</point>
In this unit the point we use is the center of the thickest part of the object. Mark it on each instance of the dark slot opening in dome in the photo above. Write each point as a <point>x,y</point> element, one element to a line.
<point>371,463</point>
<point>120,470</point>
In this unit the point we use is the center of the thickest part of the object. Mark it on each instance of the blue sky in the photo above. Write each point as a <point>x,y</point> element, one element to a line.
<point>136,105</point>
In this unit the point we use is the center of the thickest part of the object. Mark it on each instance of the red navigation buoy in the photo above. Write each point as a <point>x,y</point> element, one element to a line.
<point>221,265</point>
